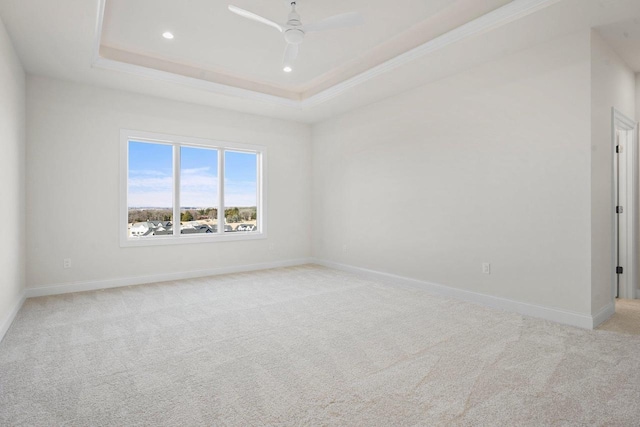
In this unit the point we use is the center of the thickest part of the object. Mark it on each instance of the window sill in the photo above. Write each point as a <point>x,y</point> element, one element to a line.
<point>186,240</point>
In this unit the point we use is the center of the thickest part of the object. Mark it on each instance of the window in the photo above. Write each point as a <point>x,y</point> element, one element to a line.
<point>186,190</point>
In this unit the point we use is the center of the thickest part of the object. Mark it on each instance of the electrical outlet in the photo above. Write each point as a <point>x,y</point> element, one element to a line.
<point>486,268</point>
<point>66,263</point>
<point>344,249</point>
<point>272,247</point>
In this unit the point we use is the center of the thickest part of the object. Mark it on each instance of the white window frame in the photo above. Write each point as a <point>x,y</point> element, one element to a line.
<point>177,142</point>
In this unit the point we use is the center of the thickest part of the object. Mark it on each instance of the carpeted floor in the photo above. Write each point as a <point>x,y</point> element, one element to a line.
<point>626,319</point>
<point>305,346</point>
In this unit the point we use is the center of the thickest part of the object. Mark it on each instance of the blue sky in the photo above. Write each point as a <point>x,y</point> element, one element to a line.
<point>151,170</point>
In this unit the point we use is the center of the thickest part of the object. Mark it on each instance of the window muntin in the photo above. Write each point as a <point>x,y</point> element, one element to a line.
<point>189,180</point>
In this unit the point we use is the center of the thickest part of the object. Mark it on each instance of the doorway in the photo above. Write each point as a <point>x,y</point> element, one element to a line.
<point>625,190</point>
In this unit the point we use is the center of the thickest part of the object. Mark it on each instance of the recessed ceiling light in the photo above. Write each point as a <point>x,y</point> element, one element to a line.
<point>167,35</point>
<point>287,69</point>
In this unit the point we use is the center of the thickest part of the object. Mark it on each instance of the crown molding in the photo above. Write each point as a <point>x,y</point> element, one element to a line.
<point>501,16</point>
<point>205,85</point>
<point>513,11</point>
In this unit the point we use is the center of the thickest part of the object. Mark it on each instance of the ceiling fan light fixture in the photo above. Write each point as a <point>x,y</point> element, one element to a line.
<point>167,35</point>
<point>294,36</point>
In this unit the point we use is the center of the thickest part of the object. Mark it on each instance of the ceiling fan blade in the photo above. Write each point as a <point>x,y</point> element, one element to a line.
<point>349,19</point>
<point>290,54</point>
<point>254,17</point>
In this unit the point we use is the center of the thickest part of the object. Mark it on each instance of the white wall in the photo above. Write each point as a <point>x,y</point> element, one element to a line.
<point>492,165</point>
<point>12,178</point>
<point>72,185</point>
<point>612,85</point>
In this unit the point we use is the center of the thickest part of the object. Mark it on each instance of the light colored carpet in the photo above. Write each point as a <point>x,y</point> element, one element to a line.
<point>305,346</point>
<point>626,319</point>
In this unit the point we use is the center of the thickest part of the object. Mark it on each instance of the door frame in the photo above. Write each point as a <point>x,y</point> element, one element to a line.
<point>621,122</point>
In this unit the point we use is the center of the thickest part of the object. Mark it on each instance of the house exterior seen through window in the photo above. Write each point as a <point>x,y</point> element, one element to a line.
<point>187,190</point>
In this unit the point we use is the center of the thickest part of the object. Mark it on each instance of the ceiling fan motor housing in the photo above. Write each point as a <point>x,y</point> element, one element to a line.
<point>294,34</point>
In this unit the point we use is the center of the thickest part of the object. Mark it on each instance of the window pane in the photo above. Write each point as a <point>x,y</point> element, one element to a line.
<point>150,189</point>
<point>240,191</point>
<point>198,190</point>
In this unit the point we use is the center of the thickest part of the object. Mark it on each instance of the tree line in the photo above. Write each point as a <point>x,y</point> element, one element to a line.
<point>232,215</point>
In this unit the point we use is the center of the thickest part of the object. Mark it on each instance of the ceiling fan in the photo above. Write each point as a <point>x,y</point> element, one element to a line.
<point>294,31</point>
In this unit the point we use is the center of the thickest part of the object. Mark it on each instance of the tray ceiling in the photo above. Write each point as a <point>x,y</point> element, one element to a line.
<point>69,40</point>
<point>213,45</point>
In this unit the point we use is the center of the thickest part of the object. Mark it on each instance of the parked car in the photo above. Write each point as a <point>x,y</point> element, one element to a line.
<point>228,228</point>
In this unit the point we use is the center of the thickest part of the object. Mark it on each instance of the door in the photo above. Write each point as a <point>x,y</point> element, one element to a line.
<point>625,210</point>
<point>622,205</point>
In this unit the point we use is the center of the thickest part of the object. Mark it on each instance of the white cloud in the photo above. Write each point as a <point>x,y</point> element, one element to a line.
<point>149,189</point>
<point>150,184</point>
<point>195,171</point>
<point>147,172</point>
<point>151,199</point>
<point>197,189</point>
<point>240,193</point>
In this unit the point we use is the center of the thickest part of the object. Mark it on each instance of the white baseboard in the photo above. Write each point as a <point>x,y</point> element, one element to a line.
<point>547,313</point>
<point>5,323</point>
<point>553,314</point>
<point>603,315</point>
<point>65,288</point>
